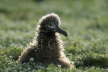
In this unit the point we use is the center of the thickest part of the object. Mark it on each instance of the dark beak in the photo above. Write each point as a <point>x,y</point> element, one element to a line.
<point>62,32</point>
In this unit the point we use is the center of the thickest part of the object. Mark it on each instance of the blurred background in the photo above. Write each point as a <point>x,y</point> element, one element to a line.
<point>86,22</point>
<point>18,18</point>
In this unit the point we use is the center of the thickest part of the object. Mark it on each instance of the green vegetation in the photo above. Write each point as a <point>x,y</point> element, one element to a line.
<point>86,22</point>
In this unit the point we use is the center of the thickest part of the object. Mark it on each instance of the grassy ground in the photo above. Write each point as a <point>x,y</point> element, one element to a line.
<point>86,22</point>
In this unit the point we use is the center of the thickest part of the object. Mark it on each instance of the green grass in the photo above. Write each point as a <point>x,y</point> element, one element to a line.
<point>86,22</point>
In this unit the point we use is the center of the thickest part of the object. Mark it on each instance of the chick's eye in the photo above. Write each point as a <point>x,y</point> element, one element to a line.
<point>50,26</point>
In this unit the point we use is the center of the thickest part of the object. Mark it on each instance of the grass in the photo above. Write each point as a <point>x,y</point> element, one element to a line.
<point>86,22</point>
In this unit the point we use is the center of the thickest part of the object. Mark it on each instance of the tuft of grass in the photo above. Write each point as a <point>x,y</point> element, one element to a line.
<point>13,53</point>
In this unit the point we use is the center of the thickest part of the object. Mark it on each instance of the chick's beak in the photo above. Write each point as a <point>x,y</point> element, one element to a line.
<point>59,30</point>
